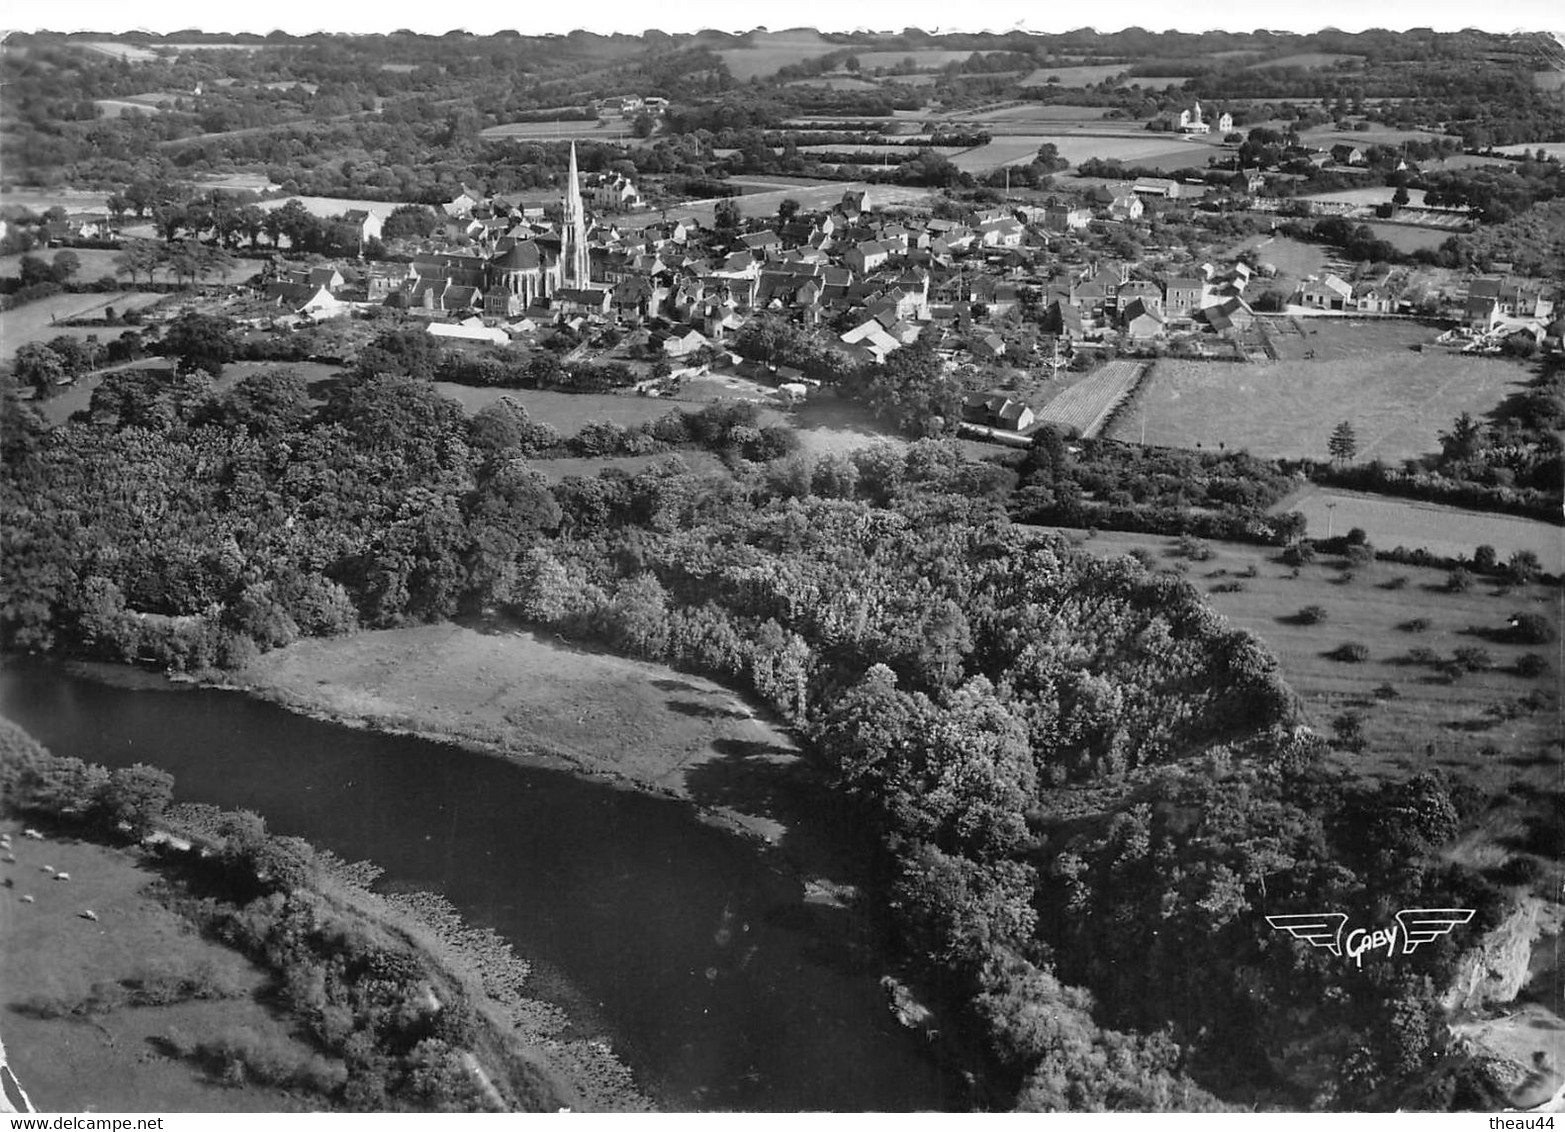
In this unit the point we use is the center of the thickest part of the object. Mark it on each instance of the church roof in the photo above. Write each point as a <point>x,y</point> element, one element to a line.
<point>523,256</point>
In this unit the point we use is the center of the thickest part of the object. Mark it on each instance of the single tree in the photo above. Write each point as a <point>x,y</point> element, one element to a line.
<point>1344,443</point>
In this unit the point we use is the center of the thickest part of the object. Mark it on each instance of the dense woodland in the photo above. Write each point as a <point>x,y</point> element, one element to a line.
<point>1087,785</point>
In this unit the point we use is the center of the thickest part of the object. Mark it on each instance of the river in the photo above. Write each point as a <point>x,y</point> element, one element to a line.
<point>692,952</point>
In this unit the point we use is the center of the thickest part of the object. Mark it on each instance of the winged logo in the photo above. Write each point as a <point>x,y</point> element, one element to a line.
<point>1425,925</point>
<point>1318,929</point>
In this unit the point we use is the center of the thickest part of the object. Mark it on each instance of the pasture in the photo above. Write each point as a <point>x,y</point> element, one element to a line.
<point>1434,721</point>
<point>336,206</point>
<point>1448,531</point>
<point>1032,112</point>
<point>119,107</point>
<point>127,52</point>
<point>95,262</point>
<point>107,1063</point>
<point>39,321</point>
<point>1293,259</point>
<point>1369,196</point>
<point>1397,401</point>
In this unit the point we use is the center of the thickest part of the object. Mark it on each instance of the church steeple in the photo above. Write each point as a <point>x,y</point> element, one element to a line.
<point>575,267</point>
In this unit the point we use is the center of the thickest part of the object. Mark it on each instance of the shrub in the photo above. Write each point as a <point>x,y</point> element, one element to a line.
<point>1416,625</point>
<point>1474,659</point>
<point>1422,655</point>
<point>1350,652</point>
<point>1458,581</point>
<point>1531,629</point>
<point>1387,692</point>
<point>1531,665</point>
<point>1348,732</point>
<point>1299,554</point>
<point>1228,588</point>
<point>1311,615</point>
<point>1397,583</point>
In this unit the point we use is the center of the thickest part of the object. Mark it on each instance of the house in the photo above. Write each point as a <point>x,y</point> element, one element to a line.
<point>1062,217</point>
<point>1182,297</point>
<point>1126,206</point>
<point>570,301</point>
<point>870,339</point>
<point>461,206</point>
<point>1230,314</point>
<point>1328,293</point>
<point>1063,318</point>
<point>996,410</point>
<point>1142,291</point>
<point>1142,320</point>
<point>1001,232</point>
<point>1191,122</point>
<point>1160,187</point>
<point>760,243</point>
<point>866,257</point>
<point>469,330</point>
<point>365,223</point>
<point>990,347</point>
<point>1347,154</point>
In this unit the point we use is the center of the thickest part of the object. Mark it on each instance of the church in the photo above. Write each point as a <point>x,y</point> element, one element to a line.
<point>1192,122</point>
<point>532,270</point>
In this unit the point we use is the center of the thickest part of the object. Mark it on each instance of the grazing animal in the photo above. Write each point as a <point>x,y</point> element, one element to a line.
<point>89,914</point>
<point>62,876</point>
<point>48,868</point>
<point>33,833</point>
<point>9,859</point>
<point>27,899</point>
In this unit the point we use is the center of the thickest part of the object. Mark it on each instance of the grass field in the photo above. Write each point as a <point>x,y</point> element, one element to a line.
<point>1427,711</point>
<point>770,52</point>
<point>1309,60</point>
<point>34,322</point>
<point>112,1063</point>
<point>563,130</point>
<point>1406,238</point>
<point>1553,149</point>
<point>1030,112</point>
<point>1293,259</point>
<point>567,412</point>
<point>509,690</point>
<point>1370,195</point>
<point>1135,149</point>
<point>1397,401</point>
<point>129,52</point>
<point>119,107</point>
<point>336,206</point>
<point>95,262</point>
<point>1447,531</point>
<point>929,59</point>
<point>819,195</point>
<point>1077,76</point>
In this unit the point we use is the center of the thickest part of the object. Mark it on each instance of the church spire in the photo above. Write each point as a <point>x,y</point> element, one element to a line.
<point>575,268</point>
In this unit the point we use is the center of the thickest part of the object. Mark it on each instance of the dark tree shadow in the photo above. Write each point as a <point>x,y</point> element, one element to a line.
<point>675,686</point>
<point>704,711</point>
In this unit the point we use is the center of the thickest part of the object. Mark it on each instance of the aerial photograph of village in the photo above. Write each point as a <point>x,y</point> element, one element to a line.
<point>708,559</point>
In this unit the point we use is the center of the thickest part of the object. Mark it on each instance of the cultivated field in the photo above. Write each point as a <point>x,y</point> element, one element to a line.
<point>35,322</point>
<point>569,129</point>
<point>1447,531</point>
<point>1084,406</point>
<point>113,1062</point>
<point>1396,400</point>
<point>1427,711</point>
<point>1326,137</point>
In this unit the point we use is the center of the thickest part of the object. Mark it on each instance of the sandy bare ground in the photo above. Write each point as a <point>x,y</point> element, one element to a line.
<point>529,697</point>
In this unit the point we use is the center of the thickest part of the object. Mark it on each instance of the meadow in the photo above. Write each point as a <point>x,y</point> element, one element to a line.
<point>112,1061</point>
<point>1470,725</point>
<point>1308,60</point>
<point>1396,400</point>
<point>567,412</point>
<point>1293,259</point>
<point>1154,150</point>
<point>1408,238</point>
<point>95,262</point>
<point>769,52</point>
<point>1078,76</point>
<point>36,321</point>
<point>1447,531</point>
<point>566,129</point>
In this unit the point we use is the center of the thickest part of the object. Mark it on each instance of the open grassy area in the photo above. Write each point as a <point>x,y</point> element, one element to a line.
<point>38,321</point>
<point>518,694</point>
<point>567,412</point>
<point>1078,76</point>
<point>1308,60</point>
<point>1447,531</point>
<point>570,129</point>
<point>113,1062</point>
<point>1452,717</point>
<point>1155,150</point>
<point>1398,401</point>
<point>95,262</point>
<point>1293,260</point>
<point>1406,238</point>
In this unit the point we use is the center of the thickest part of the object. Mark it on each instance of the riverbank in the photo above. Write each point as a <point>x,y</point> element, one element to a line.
<point>535,698</point>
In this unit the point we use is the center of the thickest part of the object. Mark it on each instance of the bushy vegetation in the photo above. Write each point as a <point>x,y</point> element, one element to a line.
<point>388,1028</point>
